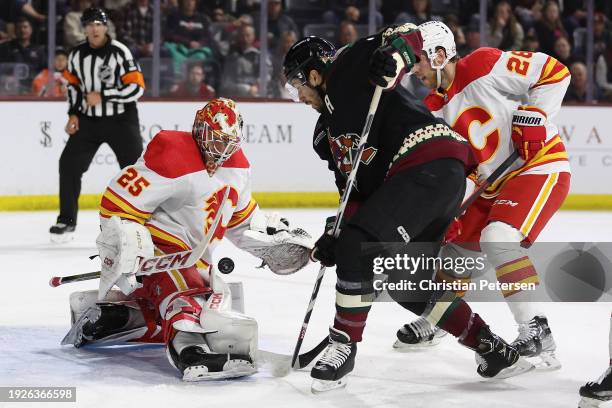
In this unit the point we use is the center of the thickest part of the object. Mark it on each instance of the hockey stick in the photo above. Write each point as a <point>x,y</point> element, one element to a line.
<point>162,263</point>
<point>489,180</point>
<point>306,358</point>
<point>335,231</point>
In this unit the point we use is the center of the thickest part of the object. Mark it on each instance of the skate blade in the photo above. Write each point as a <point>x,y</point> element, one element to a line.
<point>521,366</point>
<point>62,238</point>
<point>321,386</point>
<point>545,361</point>
<point>238,368</point>
<point>407,347</point>
<point>586,402</point>
<point>75,334</point>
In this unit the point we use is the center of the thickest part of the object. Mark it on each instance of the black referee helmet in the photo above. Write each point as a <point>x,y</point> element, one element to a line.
<point>93,14</point>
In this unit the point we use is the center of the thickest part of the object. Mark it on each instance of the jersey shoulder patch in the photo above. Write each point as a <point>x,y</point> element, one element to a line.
<point>237,160</point>
<point>173,154</point>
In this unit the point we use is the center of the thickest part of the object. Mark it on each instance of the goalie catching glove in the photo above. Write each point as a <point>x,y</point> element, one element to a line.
<point>283,250</point>
<point>121,245</point>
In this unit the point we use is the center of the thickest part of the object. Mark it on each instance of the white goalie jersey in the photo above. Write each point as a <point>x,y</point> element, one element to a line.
<point>169,191</point>
<point>489,85</point>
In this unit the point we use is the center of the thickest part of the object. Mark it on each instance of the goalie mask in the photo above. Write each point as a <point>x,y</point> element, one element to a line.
<point>217,130</point>
<point>305,55</point>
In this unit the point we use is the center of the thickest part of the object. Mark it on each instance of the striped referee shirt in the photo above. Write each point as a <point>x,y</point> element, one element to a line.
<point>110,70</point>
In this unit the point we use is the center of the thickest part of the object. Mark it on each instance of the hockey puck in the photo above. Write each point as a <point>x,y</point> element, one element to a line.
<point>225,265</point>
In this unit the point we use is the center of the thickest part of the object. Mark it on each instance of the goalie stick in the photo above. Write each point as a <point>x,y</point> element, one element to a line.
<point>162,263</point>
<point>304,359</point>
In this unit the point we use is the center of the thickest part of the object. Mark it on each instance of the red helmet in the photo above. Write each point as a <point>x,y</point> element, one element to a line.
<point>217,130</point>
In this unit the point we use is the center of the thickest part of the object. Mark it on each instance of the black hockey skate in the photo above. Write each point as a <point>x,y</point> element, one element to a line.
<point>418,334</point>
<point>595,394</point>
<point>110,322</point>
<point>198,363</point>
<point>338,360</point>
<point>62,232</point>
<point>535,342</point>
<point>498,359</point>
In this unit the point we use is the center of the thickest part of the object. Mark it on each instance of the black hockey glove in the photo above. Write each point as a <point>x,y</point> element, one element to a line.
<point>382,66</point>
<point>324,250</point>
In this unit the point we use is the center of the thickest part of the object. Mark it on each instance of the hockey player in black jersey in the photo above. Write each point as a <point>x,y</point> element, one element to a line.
<point>409,185</point>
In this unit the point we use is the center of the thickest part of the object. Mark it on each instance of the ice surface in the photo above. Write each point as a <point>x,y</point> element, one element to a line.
<point>34,318</point>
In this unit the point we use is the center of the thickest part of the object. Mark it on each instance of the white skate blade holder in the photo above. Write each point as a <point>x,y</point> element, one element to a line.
<point>62,238</point>
<point>545,361</point>
<point>231,369</point>
<point>402,347</point>
<point>323,386</point>
<point>594,403</point>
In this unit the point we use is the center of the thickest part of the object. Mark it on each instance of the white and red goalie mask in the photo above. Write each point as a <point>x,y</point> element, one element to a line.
<point>217,130</point>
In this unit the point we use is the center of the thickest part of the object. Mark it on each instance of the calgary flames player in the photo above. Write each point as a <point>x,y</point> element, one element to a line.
<point>499,101</point>
<point>165,203</point>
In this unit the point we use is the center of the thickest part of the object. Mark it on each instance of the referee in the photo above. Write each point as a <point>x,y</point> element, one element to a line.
<point>104,84</point>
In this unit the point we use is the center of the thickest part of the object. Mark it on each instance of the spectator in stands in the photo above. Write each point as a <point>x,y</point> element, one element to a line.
<point>550,27</point>
<point>58,87</point>
<point>531,43</point>
<point>576,92</point>
<point>563,51</point>
<point>603,73</point>
<point>241,68</point>
<point>11,10</point>
<point>74,32</point>
<point>528,12</point>
<point>347,33</point>
<point>355,11</point>
<point>574,15</point>
<point>452,21</point>
<point>419,13</point>
<point>22,50</point>
<point>472,37</point>
<point>278,22</point>
<point>137,29</point>
<point>187,35</point>
<point>601,34</point>
<point>504,31</point>
<point>194,86</point>
<point>287,39</point>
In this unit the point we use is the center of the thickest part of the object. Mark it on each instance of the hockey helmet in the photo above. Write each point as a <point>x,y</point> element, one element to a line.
<point>436,35</point>
<point>217,130</point>
<point>94,14</point>
<point>305,55</point>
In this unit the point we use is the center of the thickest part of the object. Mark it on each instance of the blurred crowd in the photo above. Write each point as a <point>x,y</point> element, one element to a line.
<point>212,47</point>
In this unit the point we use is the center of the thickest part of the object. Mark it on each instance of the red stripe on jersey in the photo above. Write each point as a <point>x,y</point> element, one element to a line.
<point>173,154</point>
<point>469,68</point>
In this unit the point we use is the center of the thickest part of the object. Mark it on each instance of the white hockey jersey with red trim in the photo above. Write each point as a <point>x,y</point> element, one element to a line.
<point>489,85</point>
<point>169,191</point>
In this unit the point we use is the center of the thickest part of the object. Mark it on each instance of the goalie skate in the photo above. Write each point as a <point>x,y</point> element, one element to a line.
<point>536,344</point>
<point>418,334</point>
<point>338,360</point>
<point>198,363</point>
<point>102,323</point>
<point>597,394</point>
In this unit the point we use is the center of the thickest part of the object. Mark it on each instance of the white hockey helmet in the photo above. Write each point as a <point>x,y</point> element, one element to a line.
<point>437,34</point>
